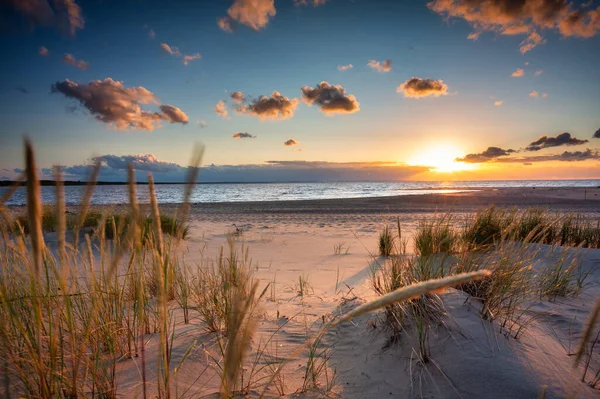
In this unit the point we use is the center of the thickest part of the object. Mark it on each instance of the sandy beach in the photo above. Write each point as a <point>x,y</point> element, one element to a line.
<point>471,358</point>
<point>316,260</point>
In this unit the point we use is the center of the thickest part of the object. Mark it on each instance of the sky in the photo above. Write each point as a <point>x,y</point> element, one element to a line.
<point>292,90</point>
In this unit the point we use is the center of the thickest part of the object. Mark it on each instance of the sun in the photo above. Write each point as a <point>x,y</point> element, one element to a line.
<point>441,158</point>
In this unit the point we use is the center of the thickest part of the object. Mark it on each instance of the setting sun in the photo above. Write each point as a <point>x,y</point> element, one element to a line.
<point>442,159</point>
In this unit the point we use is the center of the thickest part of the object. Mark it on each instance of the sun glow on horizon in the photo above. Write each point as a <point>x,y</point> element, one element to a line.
<point>441,158</point>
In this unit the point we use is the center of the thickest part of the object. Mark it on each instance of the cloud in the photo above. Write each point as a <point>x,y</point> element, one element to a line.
<point>523,17</point>
<point>22,90</point>
<point>417,87</point>
<point>567,156</point>
<point>290,143</point>
<point>474,35</point>
<point>189,58</point>
<point>345,67</point>
<point>331,99</point>
<point>69,59</point>
<point>221,109</point>
<point>538,72</point>
<point>596,134</point>
<point>534,94</point>
<point>64,15</point>
<point>43,51</point>
<point>274,107</point>
<point>548,142</point>
<point>384,66</point>
<point>238,97</point>
<point>151,34</point>
<point>498,103</point>
<point>171,50</point>
<point>491,153</point>
<point>314,3</point>
<point>545,95</point>
<point>114,168</point>
<point>173,114</point>
<point>518,73</point>
<point>531,42</point>
<point>110,102</point>
<point>177,53</point>
<point>243,136</point>
<point>225,24</point>
<point>202,124</point>
<point>252,13</point>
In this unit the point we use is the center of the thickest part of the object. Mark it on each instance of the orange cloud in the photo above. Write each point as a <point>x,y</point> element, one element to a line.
<point>238,97</point>
<point>252,13</point>
<point>345,67</point>
<point>69,59</point>
<point>110,102</point>
<point>171,50</point>
<point>189,58</point>
<point>417,88</point>
<point>274,107</point>
<point>384,66</point>
<point>243,136</point>
<point>518,73</point>
<point>43,51</point>
<point>221,109</point>
<point>509,17</point>
<point>290,143</point>
<point>331,99</point>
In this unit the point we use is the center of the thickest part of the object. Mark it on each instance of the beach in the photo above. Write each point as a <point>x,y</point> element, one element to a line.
<point>289,240</point>
<point>316,260</point>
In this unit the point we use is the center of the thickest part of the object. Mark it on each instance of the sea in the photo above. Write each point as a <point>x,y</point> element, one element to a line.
<point>244,192</point>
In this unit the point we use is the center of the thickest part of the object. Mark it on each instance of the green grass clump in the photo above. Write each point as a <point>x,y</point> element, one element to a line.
<point>435,237</point>
<point>386,242</point>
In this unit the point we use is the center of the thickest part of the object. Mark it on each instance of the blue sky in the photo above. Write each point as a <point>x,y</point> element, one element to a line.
<point>302,45</point>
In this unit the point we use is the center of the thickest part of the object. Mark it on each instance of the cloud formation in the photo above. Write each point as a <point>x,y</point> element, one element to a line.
<point>221,109</point>
<point>534,94</point>
<point>173,114</point>
<point>43,51</point>
<point>64,15</point>
<point>243,136</point>
<point>518,73</point>
<point>498,103</point>
<point>171,49</point>
<point>567,156</point>
<point>538,72</point>
<point>226,24</point>
<point>110,102</point>
<point>252,13</point>
<point>345,67</point>
<point>596,134</point>
<point>189,58</point>
<point>238,97</point>
<point>274,107</point>
<point>69,59</point>
<point>548,142</point>
<point>331,99</point>
<point>290,143</point>
<point>114,168</point>
<point>530,42</point>
<point>490,154</point>
<point>523,17</point>
<point>417,88</point>
<point>384,66</point>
